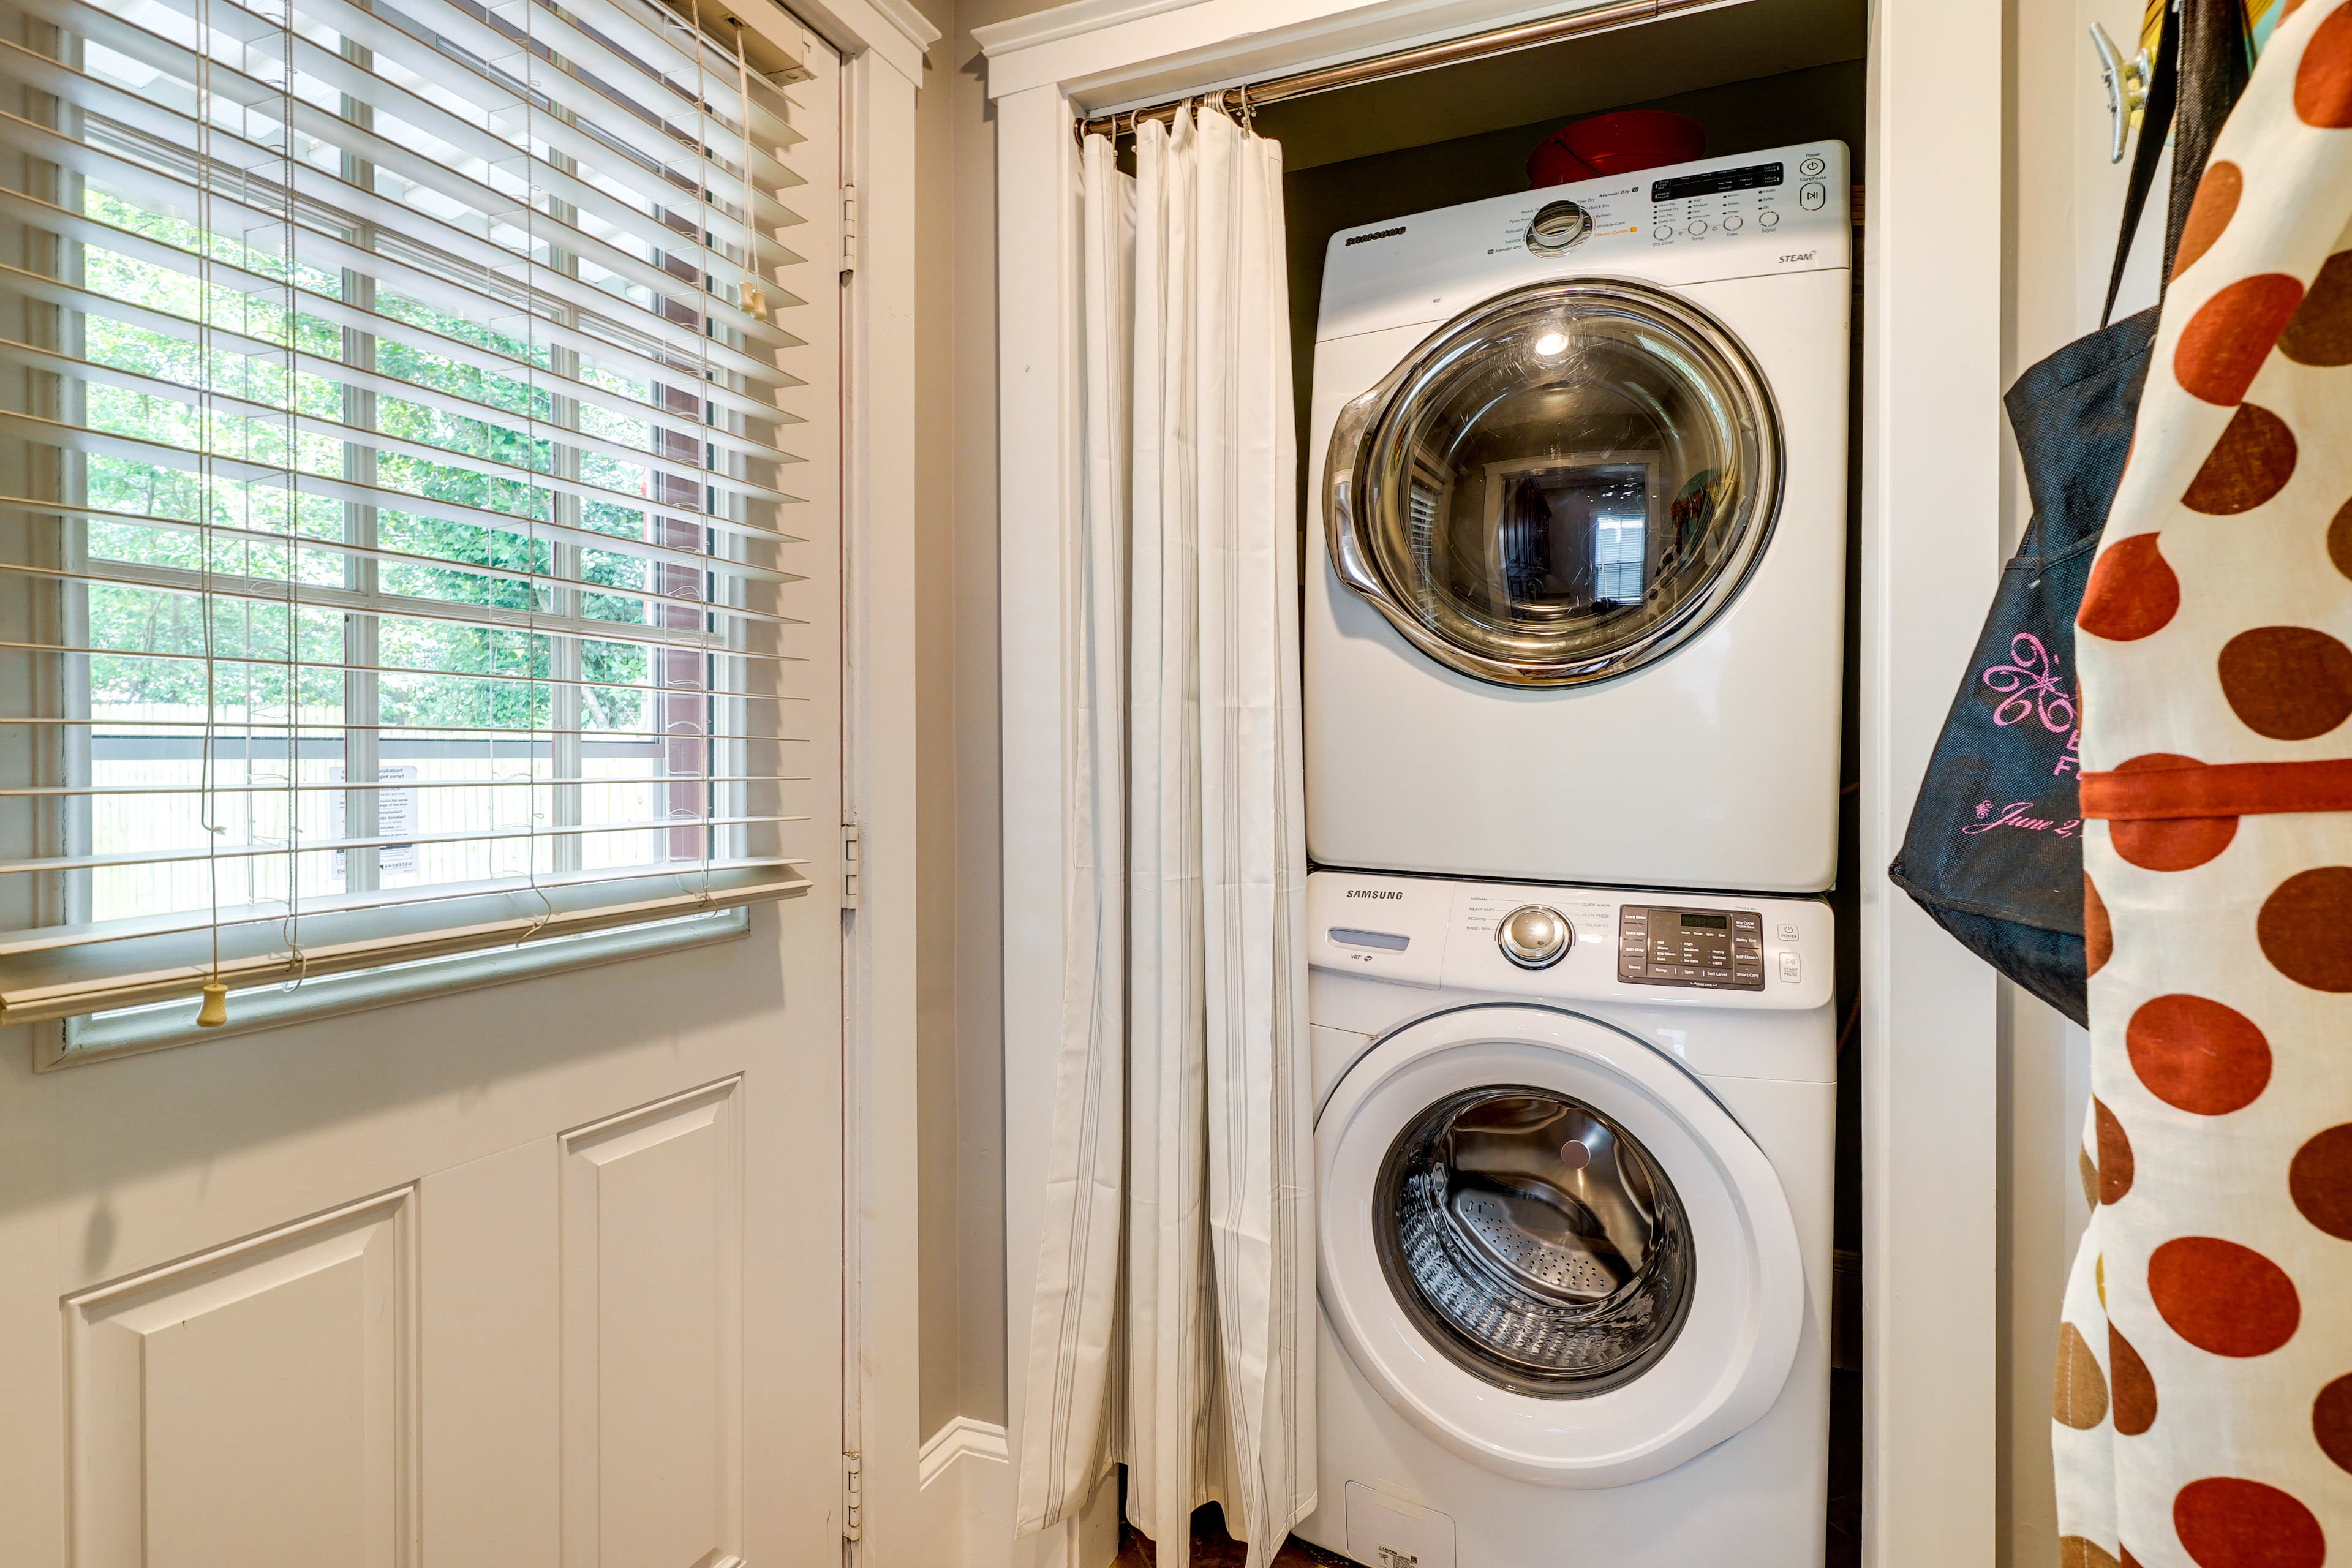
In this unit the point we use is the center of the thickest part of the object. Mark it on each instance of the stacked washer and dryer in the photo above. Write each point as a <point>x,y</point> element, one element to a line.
<point>1573,700</point>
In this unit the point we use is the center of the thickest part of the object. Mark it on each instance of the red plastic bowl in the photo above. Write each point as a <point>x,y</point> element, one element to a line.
<point>1616,144</point>
<point>1551,163</point>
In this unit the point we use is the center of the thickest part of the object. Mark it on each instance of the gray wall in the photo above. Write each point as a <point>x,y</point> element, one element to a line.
<point>961,1109</point>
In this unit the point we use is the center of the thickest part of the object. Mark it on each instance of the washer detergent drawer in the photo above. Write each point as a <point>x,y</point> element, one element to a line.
<point>1390,1528</point>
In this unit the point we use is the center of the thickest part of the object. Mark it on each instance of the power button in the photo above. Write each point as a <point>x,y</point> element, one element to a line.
<point>1811,167</point>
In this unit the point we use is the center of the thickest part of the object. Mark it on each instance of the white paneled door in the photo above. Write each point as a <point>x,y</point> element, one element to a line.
<point>546,1274</point>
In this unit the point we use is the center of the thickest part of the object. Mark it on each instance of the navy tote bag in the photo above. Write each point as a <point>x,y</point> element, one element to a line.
<point>1992,851</point>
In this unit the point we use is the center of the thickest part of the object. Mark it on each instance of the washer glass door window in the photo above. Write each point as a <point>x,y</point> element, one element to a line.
<point>1534,1240</point>
<point>1559,486</point>
<point>1550,1248</point>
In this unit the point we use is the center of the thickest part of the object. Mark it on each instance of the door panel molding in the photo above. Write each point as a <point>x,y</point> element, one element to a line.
<point>253,1403</point>
<point>651,1205</point>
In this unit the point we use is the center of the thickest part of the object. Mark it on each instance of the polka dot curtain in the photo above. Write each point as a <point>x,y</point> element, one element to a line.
<point>2203,1395</point>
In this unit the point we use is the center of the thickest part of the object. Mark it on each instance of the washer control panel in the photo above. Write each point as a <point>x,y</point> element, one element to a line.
<point>1657,947</point>
<point>1721,950</point>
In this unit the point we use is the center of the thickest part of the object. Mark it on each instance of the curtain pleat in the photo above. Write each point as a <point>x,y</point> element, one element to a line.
<point>1183,1344</point>
<point>1068,1440</point>
<point>1253,843</point>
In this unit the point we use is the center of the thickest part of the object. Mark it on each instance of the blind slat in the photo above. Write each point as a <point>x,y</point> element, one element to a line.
<point>334,313</point>
<point>226,587</point>
<point>621,148</point>
<point>398,669</point>
<point>314,727</point>
<point>446,254</point>
<point>181,130</point>
<point>45,864</point>
<point>279,591</point>
<point>634,360</point>
<point>248,470</point>
<point>111,792</point>
<point>726,568</point>
<point>298,424</point>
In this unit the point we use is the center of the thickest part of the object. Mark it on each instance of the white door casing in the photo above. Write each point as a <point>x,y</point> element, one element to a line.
<point>1930,492</point>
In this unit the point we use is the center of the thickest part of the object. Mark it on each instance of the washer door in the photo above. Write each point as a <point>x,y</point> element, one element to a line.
<point>1559,486</point>
<point>1552,1249</point>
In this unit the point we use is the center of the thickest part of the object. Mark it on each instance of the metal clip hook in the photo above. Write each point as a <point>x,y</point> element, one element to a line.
<point>2126,83</point>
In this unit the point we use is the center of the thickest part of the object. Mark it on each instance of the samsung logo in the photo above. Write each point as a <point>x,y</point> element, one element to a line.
<point>1374,892</point>
<point>1376,233</point>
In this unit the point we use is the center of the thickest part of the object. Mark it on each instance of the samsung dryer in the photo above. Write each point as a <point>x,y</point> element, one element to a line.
<point>1581,464</point>
<point>1574,1149</point>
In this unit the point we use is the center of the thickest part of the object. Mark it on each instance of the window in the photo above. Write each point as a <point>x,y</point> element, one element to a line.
<point>397,478</point>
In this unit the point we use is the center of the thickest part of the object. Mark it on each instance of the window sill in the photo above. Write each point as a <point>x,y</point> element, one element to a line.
<point>104,1036</point>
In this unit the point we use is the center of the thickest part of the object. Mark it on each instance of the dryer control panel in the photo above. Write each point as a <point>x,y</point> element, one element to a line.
<point>1751,214</point>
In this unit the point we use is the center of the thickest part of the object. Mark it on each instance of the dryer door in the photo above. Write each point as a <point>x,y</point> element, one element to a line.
<point>1552,1249</point>
<point>1559,486</point>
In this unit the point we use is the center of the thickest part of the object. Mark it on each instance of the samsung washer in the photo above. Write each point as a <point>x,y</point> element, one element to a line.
<point>1574,1149</point>
<point>1580,462</point>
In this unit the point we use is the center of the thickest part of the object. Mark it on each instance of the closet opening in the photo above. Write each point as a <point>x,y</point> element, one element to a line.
<point>1770,74</point>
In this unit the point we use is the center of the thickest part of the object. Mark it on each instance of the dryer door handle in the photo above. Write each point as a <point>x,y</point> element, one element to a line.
<point>1349,558</point>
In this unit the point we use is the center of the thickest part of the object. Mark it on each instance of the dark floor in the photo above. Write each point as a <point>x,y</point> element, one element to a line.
<point>1212,1548</point>
<point>1845,1549</point>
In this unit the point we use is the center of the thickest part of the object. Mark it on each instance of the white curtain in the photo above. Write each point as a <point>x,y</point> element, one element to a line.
<point>1173,1328</point>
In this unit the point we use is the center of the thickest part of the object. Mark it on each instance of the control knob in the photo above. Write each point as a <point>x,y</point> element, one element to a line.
<point>1535,936</point>
<point>1558,227</point>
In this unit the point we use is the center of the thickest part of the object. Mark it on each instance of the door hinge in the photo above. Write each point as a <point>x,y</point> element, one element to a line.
<point>852,861</point>
<point>853,1501</point>
<point>850,228</point>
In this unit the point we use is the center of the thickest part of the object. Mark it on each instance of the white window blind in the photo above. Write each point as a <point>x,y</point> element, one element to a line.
<point>398,511</point>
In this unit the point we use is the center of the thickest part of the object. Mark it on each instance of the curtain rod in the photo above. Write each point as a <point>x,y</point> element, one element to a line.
<point>1248,97</point>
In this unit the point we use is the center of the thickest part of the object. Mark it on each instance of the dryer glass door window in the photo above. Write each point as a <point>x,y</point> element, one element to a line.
<point>1535,1242</point>
<point>1561,486</point>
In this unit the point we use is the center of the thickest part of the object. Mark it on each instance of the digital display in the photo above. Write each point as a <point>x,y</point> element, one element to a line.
<point>1704,922</point>
<point>1719,179</point>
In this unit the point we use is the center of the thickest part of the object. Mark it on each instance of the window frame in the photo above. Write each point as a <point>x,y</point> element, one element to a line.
<point>56,610</point>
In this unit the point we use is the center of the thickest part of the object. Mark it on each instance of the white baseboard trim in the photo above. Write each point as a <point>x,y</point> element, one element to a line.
<point>957,1440</point>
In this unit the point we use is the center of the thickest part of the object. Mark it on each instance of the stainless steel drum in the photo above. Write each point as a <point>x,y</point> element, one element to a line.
<point>1534,1241</point>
